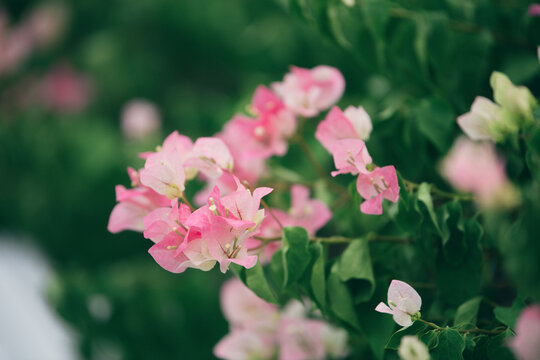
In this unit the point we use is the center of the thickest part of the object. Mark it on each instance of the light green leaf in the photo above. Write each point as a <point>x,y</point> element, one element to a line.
<point>468,311</point>
<point>424,195</point>
<point>341,301</point>
<point>296,254</point>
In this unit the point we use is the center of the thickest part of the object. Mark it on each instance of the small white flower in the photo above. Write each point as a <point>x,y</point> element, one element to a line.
<point>411,348</point>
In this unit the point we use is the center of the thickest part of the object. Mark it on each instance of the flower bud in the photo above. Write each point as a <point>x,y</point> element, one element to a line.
<point>517,100</point>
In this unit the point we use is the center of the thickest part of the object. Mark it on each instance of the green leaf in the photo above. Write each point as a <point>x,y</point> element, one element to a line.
<point>436,120</point>
<point>450,346</point>
<point>341,301</point>
<point>454,244</point>
<point>424,195</point>
<point>296,254</point>
<point>354,267</point>
<point>460,280</point>
<point>256,281</point>
<point>497,347</point>
<point>317,279</point>
<point>508,315</point>
<point>417,328</point>
<point>467,312</point>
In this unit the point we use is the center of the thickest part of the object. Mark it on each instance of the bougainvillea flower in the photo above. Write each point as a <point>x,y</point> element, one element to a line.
<point>245,345</point>
<point>403,303</point>
<point>160,222</point>
<point>354,123</point>
<point>259,137</point>
<point>224,225</point>
<point>483,122</point>
<point>517,100</point>
<point>303,338</point>
<point>133,205</point>
<point>311,214</point>
<point>526,343</point>
<point>164,170</point>
<point>534,10</point>
<point>210,156</point>
<point>475,167</point>
<point>243,309</point>
<point>350,157</point>
<point>300,339</point>
<point>140,118</point>
<point>309,91</point>
<point>267,104</point>
<point>411,348</point>
<point>376,185</point>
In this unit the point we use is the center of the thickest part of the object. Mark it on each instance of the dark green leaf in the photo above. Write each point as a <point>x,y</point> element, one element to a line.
<point>418,328</point>
<point>450,346</point>
<point>435,119</point>
<point>354,267</point>
<point>509,315</point>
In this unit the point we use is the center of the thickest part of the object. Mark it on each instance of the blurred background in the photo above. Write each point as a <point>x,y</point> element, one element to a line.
<point>72,72</point>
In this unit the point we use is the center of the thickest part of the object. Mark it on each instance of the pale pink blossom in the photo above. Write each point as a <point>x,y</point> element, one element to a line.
<point>243,309</point>
<point>404,303</point>
<point>164,170</point>
<point>46,22</point>
<point>133,205</point>
<point>160,222</point>
<point>354,123</point>
<point>350,157</point>
<point>309,91</point>
<point>259,137</point>
<point>484,120</point>
<point>245,345</point>
<point>64,89</point>
<point>266,103</point>
<point>381,183</point>
<point>475,167</point>
<point>300,339</point>
<point>210,156</point>
<point>140,118</point>
<point>311,214</point>
<point>526,343</point>
<point>534,10</point>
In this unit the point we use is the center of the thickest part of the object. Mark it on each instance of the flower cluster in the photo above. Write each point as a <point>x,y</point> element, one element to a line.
<point>494,121</point>
<point>260,330</point>
<point>476,167</point>
<point>223,229</point>
<point>342,134</point>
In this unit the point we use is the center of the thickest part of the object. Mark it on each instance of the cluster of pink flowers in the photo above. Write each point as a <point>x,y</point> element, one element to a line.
<point>260,330</point>
<point>342,134</point>
<point>223,229</point>
<point>40,28</point>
